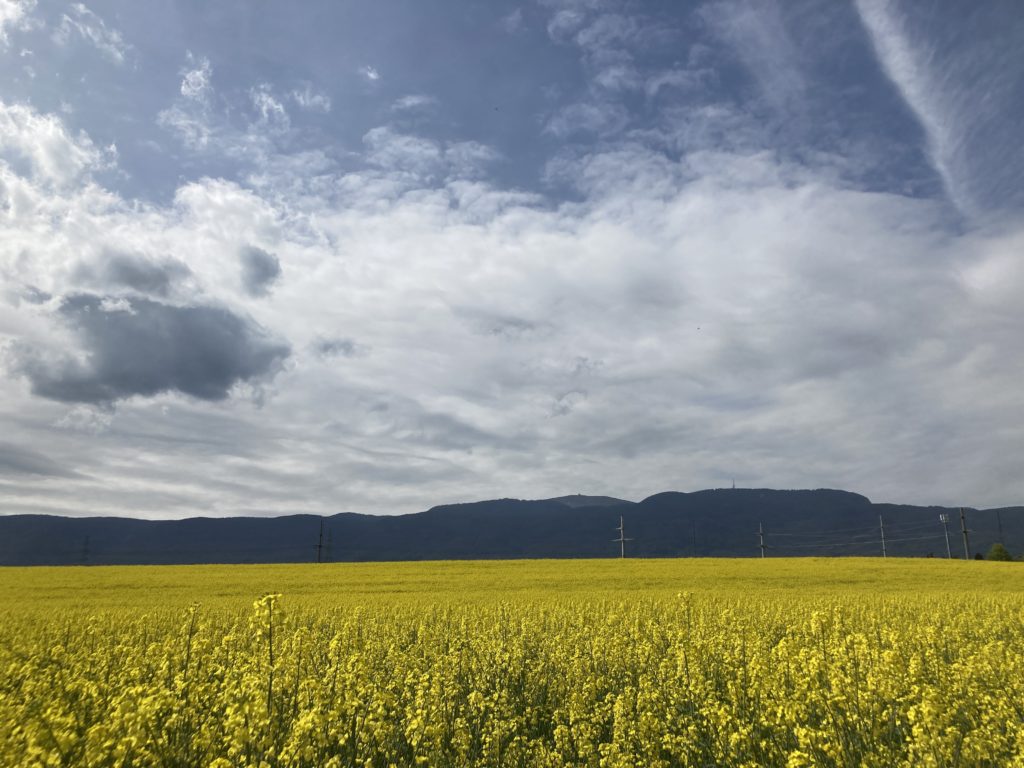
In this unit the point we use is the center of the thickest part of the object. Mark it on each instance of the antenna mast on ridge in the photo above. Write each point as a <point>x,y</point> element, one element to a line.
<point>622,538</point>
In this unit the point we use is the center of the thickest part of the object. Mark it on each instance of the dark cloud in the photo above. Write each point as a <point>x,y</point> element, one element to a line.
<point>145,276</point>
<point>144,347</point>
<point>337,348</point>
<point>121,270</point>
<point>259,270</point>
<point>33,295</point>
<point>20,461</point>
<point>489,323</point>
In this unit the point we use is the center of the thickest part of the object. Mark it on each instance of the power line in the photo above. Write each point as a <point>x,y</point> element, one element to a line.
<point>865,544</point>
<point>868,532</point>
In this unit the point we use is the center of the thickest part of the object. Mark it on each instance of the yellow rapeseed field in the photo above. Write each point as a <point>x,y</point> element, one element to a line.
<point>775,662</point>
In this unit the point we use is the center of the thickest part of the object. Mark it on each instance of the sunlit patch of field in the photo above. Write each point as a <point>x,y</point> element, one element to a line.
<point>534,663</point>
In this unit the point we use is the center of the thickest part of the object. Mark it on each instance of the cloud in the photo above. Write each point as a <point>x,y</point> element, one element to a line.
<point>590,117</point>
<point>414,102</point>
<point>908,70</point>
<point>195,81</point>
<point>402,152</point>
<point>272,114</point>
<point>138,273</point>
<point>565,23</point>
<point>142,347</point>
<point>43,144</point>
<point>14,14</point>
<point>87,419</point>
<point>512,22</point>
<point>260,270</point>
<point>16,460</point>
<point>961,80</point>
<point>88,26</point>
<point>337,347</point>
<point>311,99</point>
<point>370,73</point>
<point>757,34</point>
<point>191,128</point>
<point>413,160</point>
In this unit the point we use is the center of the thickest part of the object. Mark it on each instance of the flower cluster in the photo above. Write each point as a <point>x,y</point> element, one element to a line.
<point>547,680</point>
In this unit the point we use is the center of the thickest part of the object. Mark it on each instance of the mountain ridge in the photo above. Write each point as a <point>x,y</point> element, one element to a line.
<point>720,522</point>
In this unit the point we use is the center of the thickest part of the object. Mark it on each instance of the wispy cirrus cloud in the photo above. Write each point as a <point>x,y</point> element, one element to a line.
<point>961,88</point>
<point>85,24</point>
<point>311,99</point>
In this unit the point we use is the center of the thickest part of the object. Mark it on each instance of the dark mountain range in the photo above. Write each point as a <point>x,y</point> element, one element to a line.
<point>721,523</point>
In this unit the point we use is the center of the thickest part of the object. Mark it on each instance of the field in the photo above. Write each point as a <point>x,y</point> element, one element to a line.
<point>811,662</point>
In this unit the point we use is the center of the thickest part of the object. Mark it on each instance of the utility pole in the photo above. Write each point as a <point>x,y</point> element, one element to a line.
<point>622,538</point>
<point>881,527</point>
<point>760,537</point>
<point>320,543</point>
<point>944,518</point>
<point>963,530</point>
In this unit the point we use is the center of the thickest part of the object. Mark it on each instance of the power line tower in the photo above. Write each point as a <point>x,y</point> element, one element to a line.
<point>963,530</point>
<point>944,519</point>
<point>760,538</point>
<point>320,543</point>
<point>881,527</point>
<point>622,538</point>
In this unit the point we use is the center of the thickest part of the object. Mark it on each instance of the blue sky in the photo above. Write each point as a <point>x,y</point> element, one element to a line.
<point>268,258</point>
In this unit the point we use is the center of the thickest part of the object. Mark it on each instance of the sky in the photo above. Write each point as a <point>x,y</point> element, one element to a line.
<point>269,258</point>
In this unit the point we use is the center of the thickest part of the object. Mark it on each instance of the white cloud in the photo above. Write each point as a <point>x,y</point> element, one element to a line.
<point>909,72</point>
<point>195,81</point>
<point>370,73</point>
<point>14,14</point>
<point>87,419</point>
<point>403,153</point>
<point>209,125</point>
<point>311,99</point>
<point>417,160</point>
<point>589,117</point>
<point>759,38</point>
<point>192,127</point>
<point>413,102</point>
<point>272,114</point>
<point>52,154</point>
<point>88,26</point>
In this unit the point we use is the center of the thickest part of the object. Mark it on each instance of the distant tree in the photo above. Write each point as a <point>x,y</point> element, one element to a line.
<point>998,552</point>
